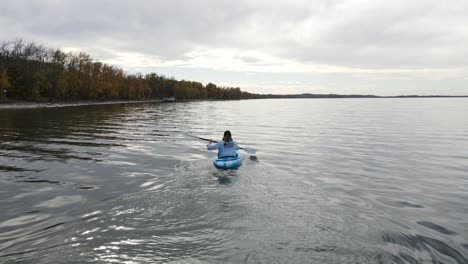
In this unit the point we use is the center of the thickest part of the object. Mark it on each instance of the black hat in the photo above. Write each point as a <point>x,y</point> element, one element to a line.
<point>227,133</point>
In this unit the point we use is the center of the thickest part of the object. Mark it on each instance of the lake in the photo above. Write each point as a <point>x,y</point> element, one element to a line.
<point>333,181</point>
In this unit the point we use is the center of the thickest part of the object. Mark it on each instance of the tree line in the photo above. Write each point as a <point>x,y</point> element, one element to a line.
<point>29,71</point>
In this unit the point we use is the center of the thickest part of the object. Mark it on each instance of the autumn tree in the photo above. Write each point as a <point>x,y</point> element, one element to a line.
<point>4,83</point>
<point>33,72</point>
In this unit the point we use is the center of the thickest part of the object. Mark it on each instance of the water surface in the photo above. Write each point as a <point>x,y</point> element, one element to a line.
<point>335,181</point>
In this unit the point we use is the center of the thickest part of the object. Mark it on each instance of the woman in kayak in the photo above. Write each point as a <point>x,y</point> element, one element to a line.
<point>226,148</point>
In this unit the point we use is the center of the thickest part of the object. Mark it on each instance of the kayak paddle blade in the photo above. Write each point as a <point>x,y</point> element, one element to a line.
<point>249,150</point>
<point>190,135</point>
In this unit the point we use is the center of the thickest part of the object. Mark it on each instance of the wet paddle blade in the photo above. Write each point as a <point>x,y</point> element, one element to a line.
<point>249,150</point>
<point>191,135</point>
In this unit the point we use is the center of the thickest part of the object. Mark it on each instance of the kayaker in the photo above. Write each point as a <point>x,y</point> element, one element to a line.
<point>226,147</point>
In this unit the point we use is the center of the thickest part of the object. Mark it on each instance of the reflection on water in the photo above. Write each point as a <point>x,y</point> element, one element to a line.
<point>333,181</point>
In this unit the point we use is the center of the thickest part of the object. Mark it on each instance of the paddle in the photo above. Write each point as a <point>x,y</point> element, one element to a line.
<point>192,135</point>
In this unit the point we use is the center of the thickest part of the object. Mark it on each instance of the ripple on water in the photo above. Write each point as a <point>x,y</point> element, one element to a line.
<point>400,204</point>
<point>436,227</point>
<point>432,247</point>
<point>61,201</point>
<point>23,220</point>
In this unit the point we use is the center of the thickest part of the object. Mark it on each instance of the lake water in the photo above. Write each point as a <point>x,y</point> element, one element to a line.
<point>334,181</point>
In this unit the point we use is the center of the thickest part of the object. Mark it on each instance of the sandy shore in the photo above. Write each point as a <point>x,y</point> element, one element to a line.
<point>23,105</point>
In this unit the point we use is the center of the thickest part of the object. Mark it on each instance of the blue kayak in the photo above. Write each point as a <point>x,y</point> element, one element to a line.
<point>227,163</point>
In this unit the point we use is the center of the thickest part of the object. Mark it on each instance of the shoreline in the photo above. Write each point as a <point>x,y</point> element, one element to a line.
<point>33,105</point>
<point>30,105</point>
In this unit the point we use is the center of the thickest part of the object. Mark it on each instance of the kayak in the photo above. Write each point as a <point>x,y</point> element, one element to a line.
<point>227,163</point>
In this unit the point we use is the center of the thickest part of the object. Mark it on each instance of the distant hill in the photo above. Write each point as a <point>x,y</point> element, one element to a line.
<point>308,95</point>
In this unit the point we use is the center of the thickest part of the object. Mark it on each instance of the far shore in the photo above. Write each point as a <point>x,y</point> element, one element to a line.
<point>28,104</point>
<point>16,104</point>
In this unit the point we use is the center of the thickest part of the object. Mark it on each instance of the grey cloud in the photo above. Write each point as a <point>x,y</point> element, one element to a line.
<point>379,34</point>
<point>403,36</point>
<point>248,59</point>
<point>163,28</point>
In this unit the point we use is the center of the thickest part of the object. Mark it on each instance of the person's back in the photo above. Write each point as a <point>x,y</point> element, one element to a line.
<point>227,147</point>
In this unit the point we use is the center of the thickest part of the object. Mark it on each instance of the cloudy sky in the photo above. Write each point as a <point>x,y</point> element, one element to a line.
<point>377,47</point>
